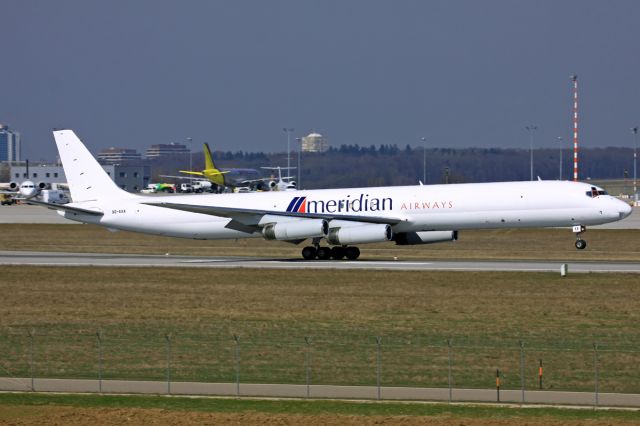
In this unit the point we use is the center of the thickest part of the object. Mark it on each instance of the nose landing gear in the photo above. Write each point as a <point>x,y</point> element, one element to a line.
<point>578,230</point>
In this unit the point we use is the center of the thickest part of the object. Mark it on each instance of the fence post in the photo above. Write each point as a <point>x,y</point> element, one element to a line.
<point>595,367</point>
<point>540,374</point>
<point>99,341</point>
<point>449,351</point>
<point>307,365</point>
<point>498,385</point>
<point>522,384</point>
<point>236,338</point>
<point>31,334</point>
<point>378,343</point>
<point>167,338</point>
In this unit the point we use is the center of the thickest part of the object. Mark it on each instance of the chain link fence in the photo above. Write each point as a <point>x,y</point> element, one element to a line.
<point>314,360</point>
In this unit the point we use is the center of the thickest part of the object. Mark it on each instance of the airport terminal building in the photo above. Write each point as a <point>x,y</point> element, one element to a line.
<point>131,178</point>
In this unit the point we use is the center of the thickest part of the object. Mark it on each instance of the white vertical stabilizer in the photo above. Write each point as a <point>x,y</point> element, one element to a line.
<point>86,178</point>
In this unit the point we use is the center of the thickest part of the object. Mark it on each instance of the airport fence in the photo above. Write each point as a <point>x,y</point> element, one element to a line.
<point>420,361</point>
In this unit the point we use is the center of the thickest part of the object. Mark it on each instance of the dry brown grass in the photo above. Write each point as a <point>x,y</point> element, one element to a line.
<point>485,313</point>
<point>556,244</point>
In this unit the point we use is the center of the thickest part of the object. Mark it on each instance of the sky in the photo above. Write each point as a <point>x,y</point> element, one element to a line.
<point>460,73</point>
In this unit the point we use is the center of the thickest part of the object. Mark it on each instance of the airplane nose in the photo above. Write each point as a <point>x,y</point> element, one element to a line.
<point>625,210</point>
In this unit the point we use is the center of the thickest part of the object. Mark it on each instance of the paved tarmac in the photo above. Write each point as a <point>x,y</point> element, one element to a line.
<point>36,214</point>
<point>133,260</point>
<point>319,391</point>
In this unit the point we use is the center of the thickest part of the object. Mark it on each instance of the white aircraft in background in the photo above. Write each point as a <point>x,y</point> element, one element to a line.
<point>25,190</point>
<point>28,190</point>
<point>419,214</point>
<point>281,183</point>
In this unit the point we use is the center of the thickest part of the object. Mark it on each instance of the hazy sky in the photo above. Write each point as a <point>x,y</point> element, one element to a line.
<point>233,73</point>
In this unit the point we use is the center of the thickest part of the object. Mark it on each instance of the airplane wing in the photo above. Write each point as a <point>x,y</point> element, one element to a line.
<point>185,177</point>
<point>246,220</point>
<point>64,207</point>
<point>202,174</point>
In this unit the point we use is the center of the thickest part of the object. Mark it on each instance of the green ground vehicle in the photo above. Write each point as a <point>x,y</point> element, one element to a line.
<point>7,199</point>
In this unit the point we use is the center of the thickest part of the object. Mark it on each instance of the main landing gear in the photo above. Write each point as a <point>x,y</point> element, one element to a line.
<point>580,243</point>
<point>326,253</point>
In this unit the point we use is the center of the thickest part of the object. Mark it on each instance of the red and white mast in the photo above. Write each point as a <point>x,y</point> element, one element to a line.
<point>574,78</point>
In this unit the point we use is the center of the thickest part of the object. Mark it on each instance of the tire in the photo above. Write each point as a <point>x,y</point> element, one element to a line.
<point>337,252</point>
<point>324,253</point>
<point>581,244</point>
<point>352,253</point>
<point>309,253</point>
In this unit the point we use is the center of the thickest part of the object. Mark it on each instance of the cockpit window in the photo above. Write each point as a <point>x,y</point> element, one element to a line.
<point>595,192</point>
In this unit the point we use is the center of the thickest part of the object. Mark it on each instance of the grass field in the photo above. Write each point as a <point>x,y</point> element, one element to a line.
<point>485,314</point>
<point>88,409</point>
<point>542,244</point>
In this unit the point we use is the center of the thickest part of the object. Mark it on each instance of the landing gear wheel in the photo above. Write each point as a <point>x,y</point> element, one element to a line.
<point>337,252</point>
<point>324,253</point>
<point>352,253</point>
<point>581,244</point>
<point>309,253</point>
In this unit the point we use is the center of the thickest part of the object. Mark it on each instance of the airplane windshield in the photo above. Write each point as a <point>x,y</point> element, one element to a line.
<point>595,192</point>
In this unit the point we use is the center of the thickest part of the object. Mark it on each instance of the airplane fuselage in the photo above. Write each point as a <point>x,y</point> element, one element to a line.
<point>414,208</point>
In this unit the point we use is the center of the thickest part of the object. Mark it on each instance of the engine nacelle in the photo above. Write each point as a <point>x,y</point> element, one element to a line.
<point>425,237</point>
<point>273,184</point>
<point>14,186</point>
<point>361,234</point>
<point>42,185</point>
<point>295,229</point>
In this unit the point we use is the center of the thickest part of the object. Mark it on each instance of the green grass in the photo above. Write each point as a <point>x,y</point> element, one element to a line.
<point>313,407</point>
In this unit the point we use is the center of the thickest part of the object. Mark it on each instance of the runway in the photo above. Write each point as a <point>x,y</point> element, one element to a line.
<point>131,260</point>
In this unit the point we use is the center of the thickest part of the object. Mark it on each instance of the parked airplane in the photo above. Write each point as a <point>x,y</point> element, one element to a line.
<point>232,178</point>
<point>25,190</point>
<point>281,183</point>
<point>28,190</point>
<point>418,214</point>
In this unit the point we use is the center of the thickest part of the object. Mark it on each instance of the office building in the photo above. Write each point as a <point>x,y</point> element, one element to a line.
<point>166,150</point>
<point>118,156</point>
<point>9,144</point>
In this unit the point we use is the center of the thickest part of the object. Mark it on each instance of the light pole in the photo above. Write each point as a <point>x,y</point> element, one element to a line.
<point>288,131</point>
<point>634,130</point>
<point>531,129</point>
<point>299,140</point>
<point>190,140</point>
<point>424,160</point>
<point>559,138</point>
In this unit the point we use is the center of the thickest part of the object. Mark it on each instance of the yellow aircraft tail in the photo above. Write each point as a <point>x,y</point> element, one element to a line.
<point>208,159</point>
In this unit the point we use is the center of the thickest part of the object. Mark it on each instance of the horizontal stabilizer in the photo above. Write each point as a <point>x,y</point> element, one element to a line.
<point>65,207</point>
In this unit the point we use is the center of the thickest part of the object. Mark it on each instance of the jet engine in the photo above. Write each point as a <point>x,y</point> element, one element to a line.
<point>295,229</point>
<point>361,234</point>
<point>425,237</point>
<point>14,186</point>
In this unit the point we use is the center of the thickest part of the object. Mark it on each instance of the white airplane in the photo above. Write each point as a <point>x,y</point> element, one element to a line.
<point>281,183</point>
<point>419,214</point>
<point>25,190</point>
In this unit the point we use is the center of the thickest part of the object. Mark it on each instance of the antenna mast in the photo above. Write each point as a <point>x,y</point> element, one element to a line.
<point>574,78</point>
